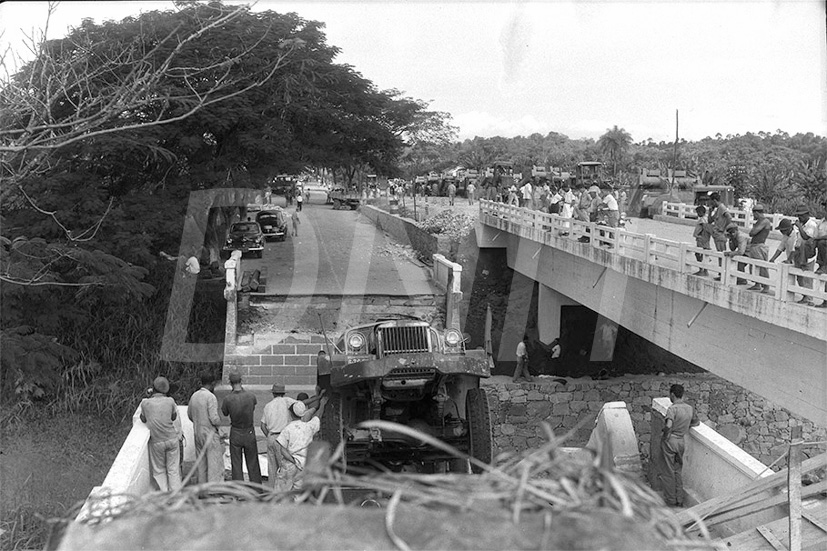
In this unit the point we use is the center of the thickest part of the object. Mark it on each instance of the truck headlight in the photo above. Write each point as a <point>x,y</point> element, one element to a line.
<point>452,337</point>
<point>356,341</point>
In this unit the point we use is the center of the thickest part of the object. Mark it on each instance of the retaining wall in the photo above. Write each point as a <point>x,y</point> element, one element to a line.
<point>406,231</point>
<point>761,428</point>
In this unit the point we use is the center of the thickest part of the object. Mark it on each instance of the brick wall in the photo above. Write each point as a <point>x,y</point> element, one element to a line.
<point>288,361</point>
<point>758,426</point>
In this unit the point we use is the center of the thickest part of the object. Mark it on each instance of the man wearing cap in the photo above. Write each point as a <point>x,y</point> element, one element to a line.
<point>203,412</point>
<point>757,247</point>
<point>789,237</point>
<point>720,218</point>
<point>275,417</point>
<point>159,413</point>
<point>294,441</point>
<point>737,247</point>
<point>240,406</point>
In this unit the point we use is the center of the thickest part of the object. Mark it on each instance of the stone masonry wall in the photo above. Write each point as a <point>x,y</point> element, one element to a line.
<point>761,428</point>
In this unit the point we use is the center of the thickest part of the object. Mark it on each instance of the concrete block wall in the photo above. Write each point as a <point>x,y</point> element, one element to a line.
<point>758,426</point>
<point>290,361</point>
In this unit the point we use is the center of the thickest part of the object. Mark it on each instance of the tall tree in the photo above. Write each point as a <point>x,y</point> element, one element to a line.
<point>613,145</point>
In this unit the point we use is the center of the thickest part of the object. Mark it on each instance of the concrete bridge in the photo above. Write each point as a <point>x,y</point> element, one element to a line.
<point>769,343</point>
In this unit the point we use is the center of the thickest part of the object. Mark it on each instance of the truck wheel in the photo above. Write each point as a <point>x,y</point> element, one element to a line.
<point>337,204</point>
<point>332,422</point>
<point>478,415</point>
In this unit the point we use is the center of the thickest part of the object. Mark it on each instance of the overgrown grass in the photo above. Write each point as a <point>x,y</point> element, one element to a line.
<point>56,449</point>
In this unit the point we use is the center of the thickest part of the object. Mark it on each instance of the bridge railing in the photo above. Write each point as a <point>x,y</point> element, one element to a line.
<point>784,280</point>
<point>743,218</point>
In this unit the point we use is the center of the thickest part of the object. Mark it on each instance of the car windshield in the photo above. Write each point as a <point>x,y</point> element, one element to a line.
<point>245,227</point>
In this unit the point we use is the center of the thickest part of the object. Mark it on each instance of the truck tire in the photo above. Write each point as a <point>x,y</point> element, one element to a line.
<point>478,414</point>
<point>332,422</point>
<point>337,204</point>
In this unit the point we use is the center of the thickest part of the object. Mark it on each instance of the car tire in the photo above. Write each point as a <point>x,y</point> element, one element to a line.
<point>478,414</point>
<point>332,423</point>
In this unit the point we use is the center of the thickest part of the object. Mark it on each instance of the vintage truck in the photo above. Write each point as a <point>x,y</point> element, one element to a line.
<point>410,373</point>
<point>342,198</point>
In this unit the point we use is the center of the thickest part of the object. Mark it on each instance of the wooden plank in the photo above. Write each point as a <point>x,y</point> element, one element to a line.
<point>761,503</point>
<point>771,539</point>
<point>814,521</point>
<point>794,487</point>
<point>710,506</point>
<point>813,537</point>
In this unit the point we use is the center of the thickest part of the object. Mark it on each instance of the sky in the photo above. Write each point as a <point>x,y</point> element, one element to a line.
<point>577,68</point>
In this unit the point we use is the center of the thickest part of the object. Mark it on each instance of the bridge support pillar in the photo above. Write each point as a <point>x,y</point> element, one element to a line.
<point>548,312</point>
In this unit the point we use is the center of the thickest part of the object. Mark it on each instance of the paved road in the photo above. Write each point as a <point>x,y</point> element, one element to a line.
<point>338,252</point>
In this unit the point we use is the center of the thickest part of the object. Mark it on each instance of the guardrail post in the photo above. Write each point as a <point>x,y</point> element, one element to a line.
<point>682,257</point>
<point>647,245</point>
<point>728,269</point>
<point>783,275</point>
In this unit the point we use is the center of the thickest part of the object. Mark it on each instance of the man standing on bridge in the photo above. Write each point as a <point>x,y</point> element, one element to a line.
<point>159,413</point>
<point>203,412</point>
<point>680,416</point>
<point>275,417</point>
<point>240,406</point>
<point>720,218</point>
<point>757,247</point>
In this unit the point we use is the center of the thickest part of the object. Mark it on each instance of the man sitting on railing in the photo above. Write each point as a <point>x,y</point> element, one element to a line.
<point>737,247</point>
<point>758,248</point>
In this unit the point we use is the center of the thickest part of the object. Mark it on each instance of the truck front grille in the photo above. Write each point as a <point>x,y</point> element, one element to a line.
<point>405,340</point>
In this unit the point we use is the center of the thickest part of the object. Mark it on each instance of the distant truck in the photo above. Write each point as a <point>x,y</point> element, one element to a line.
<point>284,184</point>
<point>342,198</point>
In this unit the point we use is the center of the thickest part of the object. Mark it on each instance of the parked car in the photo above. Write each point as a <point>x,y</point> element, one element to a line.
<point>273,223</point>
<point>246,237</point>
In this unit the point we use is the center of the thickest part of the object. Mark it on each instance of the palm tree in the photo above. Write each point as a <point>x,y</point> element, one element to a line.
<point>614,144</point>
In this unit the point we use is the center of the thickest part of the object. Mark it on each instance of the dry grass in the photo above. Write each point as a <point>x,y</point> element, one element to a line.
<point>540,481</point>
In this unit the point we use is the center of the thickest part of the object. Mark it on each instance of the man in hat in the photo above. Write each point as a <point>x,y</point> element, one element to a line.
<point>608,204</point>
<point>737,247</point>
<point>805,251</point>
<point>203,412</point>
<point>159,412</point>
<point>274,418</point>
<point>240,406</point>
<point>294,441</point>
<point>757,247</point>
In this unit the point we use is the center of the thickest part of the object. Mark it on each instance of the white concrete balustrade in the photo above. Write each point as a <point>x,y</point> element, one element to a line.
<point>786,282</point>
<point>743,218</point>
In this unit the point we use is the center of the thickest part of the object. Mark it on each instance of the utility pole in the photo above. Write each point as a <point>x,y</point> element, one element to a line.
<point>674,154</point>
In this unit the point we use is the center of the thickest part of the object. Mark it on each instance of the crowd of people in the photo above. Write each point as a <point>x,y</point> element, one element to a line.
<point>288,424</point>
<point>803,241</point>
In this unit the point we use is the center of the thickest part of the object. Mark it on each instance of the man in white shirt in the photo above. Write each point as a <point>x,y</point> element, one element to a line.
<point>521,372</point>
<point>528,195</point>
<point>294,440</point>
<point>609,206</point>
<point>274,418</point>
<point>203,412</point>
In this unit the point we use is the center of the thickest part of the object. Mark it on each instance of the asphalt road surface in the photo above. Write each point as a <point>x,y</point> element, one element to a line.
<point>338,252</point>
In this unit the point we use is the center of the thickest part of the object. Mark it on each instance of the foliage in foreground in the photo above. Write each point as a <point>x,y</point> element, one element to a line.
<point>543,481</point>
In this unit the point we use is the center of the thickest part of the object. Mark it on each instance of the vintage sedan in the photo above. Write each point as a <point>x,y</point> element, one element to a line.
<point>246,237</point>
<point>273,223</point>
